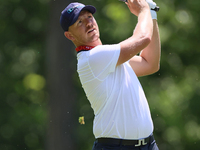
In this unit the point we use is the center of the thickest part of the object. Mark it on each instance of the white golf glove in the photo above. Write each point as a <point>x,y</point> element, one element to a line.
<point>152,5</point>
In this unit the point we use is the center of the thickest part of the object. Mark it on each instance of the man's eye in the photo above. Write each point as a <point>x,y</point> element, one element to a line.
<point>80,21</point>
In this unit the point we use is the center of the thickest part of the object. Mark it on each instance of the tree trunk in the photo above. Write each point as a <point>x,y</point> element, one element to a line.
<point>61,66</point>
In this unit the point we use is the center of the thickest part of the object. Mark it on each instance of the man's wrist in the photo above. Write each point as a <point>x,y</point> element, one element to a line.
<point>153,14</point>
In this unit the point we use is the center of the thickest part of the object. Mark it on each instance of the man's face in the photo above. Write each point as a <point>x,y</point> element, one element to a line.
<point>85,30</point>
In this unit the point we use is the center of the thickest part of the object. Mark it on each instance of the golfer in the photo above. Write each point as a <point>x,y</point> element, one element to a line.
<point>108,74</point>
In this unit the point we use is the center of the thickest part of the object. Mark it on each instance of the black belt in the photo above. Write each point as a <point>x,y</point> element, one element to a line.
<point>136,143</point>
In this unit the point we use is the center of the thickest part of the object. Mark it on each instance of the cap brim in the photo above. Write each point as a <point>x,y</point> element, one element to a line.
<point>90,8</point>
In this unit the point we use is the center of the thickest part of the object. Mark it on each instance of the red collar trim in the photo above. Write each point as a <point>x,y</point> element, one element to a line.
<point>84,48</point>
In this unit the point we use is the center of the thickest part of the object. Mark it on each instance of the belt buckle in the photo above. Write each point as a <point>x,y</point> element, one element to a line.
<point>141,142</point>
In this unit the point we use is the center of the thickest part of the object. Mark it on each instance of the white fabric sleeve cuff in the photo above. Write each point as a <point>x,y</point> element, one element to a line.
<point>153,14</point>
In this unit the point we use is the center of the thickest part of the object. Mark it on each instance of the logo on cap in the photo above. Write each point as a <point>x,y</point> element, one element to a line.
<point>74,7</point>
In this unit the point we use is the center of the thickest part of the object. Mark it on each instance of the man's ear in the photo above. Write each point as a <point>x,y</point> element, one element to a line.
<point>69,35</point>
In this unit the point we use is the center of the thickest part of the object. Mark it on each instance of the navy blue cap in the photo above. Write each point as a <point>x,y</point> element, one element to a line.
<point>71,13</point>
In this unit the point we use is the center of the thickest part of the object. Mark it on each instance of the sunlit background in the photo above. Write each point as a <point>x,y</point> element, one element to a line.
<point>173,92</point>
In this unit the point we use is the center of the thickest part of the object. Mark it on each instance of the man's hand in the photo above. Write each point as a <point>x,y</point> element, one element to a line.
<point>153,8</point>
<point>137,6</point>
<point>151,4</point>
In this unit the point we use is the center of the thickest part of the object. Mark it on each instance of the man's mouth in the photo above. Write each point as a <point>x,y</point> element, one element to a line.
<point>91,30</point>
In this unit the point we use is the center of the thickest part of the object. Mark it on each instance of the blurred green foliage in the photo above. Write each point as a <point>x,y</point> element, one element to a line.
<point>22,82</point>
<point>172,92</point>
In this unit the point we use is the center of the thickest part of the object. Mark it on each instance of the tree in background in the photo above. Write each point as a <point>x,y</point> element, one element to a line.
<point>61,69</point>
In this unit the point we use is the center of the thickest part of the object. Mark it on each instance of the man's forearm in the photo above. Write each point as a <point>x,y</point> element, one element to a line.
<point>140,38</point>
<point>152,52</point>
<point>144,26</point>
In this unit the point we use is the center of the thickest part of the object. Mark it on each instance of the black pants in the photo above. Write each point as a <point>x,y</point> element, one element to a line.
<point>150,146</point>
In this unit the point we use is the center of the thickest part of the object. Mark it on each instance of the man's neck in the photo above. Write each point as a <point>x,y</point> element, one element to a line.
<point>93,44</point>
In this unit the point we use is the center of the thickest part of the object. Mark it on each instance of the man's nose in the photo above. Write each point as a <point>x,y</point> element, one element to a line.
<point>88,22</point>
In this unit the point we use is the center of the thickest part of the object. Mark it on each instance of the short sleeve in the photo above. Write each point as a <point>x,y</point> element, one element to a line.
<point>103,59</point>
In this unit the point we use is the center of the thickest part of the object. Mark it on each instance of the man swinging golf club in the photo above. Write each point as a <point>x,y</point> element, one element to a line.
<point>108,74</point>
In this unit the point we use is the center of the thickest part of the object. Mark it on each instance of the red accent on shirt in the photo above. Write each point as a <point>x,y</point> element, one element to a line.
<point>85,48</point>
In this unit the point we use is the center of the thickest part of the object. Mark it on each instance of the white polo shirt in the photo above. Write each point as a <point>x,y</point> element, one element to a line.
<point>115,94</point>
